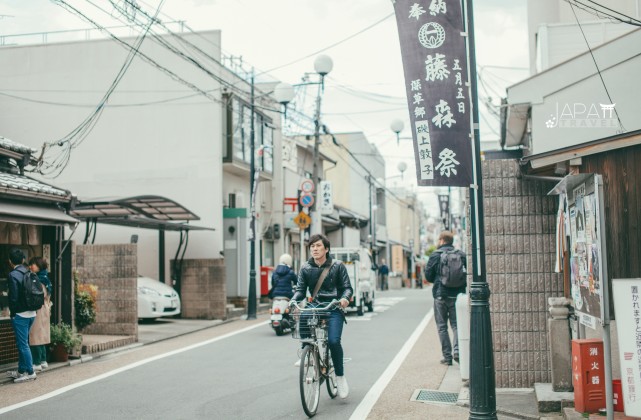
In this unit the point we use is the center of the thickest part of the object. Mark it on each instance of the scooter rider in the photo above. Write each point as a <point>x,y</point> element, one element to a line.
<point>284,278</point>
<point>335,286</point>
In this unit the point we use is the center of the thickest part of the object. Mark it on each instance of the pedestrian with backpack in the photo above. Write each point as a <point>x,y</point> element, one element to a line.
<point>40,334</point>
<point>447,270</point>
<point>22,308</point>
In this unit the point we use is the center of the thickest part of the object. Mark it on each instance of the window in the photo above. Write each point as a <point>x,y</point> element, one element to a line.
<point>238,135</point>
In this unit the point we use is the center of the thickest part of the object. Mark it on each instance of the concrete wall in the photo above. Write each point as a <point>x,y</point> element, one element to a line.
<point>519,242</point>
<point>113,268</point>
<point>203,291</point>
<point>155,136</point>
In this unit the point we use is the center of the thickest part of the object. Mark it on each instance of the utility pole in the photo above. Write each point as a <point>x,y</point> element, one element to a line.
<point>251,296</point>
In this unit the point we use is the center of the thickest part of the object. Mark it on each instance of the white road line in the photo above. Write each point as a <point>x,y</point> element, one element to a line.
<point>123,369</point>
<point>370,399</point>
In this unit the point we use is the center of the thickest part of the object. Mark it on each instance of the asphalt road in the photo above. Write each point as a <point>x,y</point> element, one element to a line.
<point>249,375</point>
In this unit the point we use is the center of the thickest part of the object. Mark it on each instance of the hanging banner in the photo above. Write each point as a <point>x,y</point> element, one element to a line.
<point>437,85</point>
<point>326,201</point>
<point>444,205</point>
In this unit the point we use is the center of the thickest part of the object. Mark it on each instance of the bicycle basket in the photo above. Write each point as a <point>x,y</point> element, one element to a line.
<point>308,323</point>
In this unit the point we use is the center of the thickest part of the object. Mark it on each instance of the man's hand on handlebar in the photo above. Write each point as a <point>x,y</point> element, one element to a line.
<point>344,303</point>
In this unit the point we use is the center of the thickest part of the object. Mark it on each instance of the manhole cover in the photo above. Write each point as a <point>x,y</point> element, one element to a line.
<point>430,396</point>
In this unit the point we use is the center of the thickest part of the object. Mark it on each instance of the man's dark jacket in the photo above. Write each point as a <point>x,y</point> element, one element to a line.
<point>335,286</point>
<point>433,272</point>
<point>16,290</point>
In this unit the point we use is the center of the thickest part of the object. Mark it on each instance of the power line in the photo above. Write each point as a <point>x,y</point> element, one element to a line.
<point>597,68</point>
<point>600,13</point>
<point>330,46</point>
<point>74,138</point>
<point>617,12</point>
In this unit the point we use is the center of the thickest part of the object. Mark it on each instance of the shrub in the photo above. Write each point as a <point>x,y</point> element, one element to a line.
<point>85,298</point>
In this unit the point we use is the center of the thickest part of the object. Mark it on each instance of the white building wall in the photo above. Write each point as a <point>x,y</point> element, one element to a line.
<point>554,35</point>
<point>139,145</point>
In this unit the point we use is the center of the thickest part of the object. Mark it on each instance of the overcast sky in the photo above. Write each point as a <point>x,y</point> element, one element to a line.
<point>364,92</point>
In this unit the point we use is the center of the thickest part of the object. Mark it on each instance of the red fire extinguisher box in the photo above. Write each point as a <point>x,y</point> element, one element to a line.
<point>588,375</point>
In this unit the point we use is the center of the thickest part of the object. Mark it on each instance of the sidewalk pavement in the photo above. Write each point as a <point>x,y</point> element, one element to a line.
<point>422,370</point>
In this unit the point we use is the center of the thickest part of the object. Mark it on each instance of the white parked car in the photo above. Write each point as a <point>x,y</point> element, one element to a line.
<point>156,299</point>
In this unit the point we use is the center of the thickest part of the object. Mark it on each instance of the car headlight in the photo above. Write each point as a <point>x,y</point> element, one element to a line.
<point>148,291</point>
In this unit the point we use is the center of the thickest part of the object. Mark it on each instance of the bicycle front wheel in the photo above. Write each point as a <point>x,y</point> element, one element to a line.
<point>332,389</point>
<point>309,380</point>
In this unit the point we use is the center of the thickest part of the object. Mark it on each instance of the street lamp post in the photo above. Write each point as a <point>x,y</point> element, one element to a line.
<point>322,65</point>
<point>283,93</point>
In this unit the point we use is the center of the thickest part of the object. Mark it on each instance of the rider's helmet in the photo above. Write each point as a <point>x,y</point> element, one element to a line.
<point>286,259</point>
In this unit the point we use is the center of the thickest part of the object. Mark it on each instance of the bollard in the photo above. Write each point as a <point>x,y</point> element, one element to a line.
<point>463,332</point>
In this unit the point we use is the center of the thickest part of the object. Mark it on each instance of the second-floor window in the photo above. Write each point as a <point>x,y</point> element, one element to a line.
<point>238,135</point>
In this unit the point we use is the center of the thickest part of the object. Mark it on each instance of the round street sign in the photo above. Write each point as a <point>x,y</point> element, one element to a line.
<point>306,200</point>
<point>307,186</point>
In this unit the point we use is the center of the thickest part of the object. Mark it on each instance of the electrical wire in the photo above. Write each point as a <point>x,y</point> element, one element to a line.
<point>600,13</point>
<point>597,68</point>
<point>331,45</point>
<point>74,138</point>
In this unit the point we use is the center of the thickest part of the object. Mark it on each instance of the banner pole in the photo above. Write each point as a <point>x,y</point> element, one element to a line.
<point>482,380</point>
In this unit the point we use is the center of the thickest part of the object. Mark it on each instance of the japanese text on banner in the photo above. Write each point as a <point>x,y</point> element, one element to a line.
<point>436,77</point>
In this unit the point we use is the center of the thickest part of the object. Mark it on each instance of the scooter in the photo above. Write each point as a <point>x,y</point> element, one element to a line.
<point>281,321</point>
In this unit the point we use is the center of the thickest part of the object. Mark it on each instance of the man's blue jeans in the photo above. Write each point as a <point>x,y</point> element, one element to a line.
<point>335,320</point>
<point>21,327</point>
<point>444,310</point>
<point>334,333</point>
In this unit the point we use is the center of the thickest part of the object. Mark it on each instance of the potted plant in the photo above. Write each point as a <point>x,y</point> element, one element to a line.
<point>85,297</point>
<point>63,340</point>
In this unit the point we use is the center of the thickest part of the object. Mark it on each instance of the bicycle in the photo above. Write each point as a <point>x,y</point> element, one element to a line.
<point>316,365</point>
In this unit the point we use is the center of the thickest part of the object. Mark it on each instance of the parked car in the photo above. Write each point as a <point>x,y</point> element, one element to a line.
<point>156,299</point>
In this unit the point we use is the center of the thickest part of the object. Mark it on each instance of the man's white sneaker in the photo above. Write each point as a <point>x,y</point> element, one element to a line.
<point>297,363</point>
<point>13,374</point>
<point>343,388</point>
<point>37,368</point>
<point>44,365</point>
<point>24,377</point>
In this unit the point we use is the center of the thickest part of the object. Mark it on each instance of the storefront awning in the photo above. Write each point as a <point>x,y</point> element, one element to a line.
<point>146,212</point>
<point>34,214</point>
<point>147,223</point>
<point>151,206</point>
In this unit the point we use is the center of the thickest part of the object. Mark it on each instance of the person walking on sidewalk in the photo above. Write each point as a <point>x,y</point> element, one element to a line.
<point>447,270</point>
<point>383,273</point>
<point>336,285</point>
<point>21,318</point>
<point>40,333</point>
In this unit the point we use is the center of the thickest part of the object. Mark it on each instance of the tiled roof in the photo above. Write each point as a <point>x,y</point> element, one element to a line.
<point>16,147</point>
<point>24,186</point>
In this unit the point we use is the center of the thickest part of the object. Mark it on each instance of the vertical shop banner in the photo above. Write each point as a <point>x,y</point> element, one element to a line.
<point>627,301</point>
<point>326,200</point>
<point>434,55</point>
<point>444,205</point>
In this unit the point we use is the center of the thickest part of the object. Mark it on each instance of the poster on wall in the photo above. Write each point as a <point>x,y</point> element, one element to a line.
<point>585,255</point>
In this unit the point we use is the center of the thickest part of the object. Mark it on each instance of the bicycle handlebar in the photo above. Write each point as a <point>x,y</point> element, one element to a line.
<point>330,305</point>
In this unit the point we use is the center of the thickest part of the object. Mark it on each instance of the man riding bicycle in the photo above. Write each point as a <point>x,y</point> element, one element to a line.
<point>336,285</point>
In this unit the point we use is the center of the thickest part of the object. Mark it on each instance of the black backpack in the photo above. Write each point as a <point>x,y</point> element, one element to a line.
<point>34,295</point>
<point>452,269</point>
